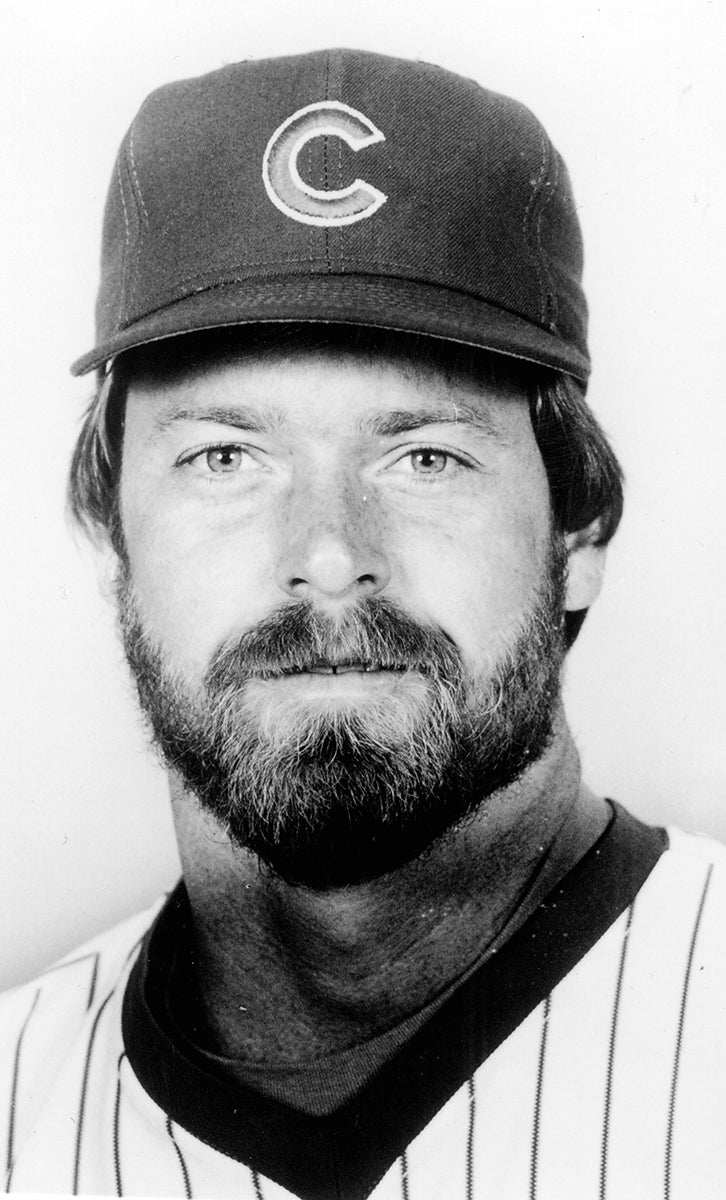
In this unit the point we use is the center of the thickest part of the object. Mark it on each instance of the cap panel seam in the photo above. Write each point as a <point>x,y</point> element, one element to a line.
<point>311,228</point>
<point>238,273</point>
<point>526,224</point>
<point>135,175</point>
<point>154,261</point>
<point>336,235</point>
<point>274,298</point>
<point>326,141</point>
<point>341,251</point>
<point>127,238</point>
<point>141,213</point>
<point>550,315</point>
<point>235,275</point>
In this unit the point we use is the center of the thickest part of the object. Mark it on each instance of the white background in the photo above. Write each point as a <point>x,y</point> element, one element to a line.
<point>634,97</point>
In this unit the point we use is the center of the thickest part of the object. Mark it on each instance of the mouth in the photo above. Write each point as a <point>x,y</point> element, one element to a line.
<point>345,668</point>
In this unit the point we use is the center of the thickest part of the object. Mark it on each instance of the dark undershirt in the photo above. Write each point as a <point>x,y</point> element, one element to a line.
<point>402,1078</point>
<point>319,1085</point>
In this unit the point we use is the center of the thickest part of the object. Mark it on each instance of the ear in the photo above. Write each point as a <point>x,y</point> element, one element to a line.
<point>585,566</point>
<point>106,564</point>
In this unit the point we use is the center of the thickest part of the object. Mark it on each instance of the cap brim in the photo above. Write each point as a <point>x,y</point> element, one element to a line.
<point>392,304</point>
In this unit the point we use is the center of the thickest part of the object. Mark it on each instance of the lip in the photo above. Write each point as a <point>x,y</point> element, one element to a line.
<point>336,680</point>
<point>349,683</point>
<point>345,668</point>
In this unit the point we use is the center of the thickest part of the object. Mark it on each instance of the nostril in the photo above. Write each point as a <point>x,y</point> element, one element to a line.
<point>331,564</point>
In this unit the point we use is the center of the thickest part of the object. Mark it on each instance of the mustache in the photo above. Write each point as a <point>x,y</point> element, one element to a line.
<point>375,635</point>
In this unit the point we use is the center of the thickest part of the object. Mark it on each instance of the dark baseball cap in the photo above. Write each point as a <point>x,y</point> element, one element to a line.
<point>348,187</point>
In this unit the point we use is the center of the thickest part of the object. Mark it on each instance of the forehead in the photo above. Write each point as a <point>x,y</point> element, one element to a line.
<point>327,383</point>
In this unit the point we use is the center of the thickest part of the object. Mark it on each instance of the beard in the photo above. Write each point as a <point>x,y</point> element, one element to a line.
<point>333,795</point>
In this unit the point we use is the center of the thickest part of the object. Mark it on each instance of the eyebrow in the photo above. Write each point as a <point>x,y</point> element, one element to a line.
<point>237,416</point>
<point>387,424</point>
<point>405,420</point>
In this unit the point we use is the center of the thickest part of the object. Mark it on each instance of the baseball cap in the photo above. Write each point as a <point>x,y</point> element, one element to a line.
<point>348,187</point>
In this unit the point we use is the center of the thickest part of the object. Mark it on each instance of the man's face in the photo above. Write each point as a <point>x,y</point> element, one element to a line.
<point>341,596</point>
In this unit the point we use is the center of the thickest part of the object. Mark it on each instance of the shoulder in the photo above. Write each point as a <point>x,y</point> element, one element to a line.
<point>677,919</point>
<point>666,950</point>
<point>692,869</point>
<point>49,1028</point>
<point>45,1021</point>
<point>685,898</point>
<point>76,981</point>
<point>684,846</point>
<point>61,998</point>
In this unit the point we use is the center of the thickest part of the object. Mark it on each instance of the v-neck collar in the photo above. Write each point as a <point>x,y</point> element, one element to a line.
<point>346,1153</point>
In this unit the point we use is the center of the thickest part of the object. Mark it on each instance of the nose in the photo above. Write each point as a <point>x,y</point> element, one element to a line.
<point>332,541</point>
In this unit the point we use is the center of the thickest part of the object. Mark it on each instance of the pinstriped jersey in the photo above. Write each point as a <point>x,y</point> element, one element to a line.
<point>610,1084</point>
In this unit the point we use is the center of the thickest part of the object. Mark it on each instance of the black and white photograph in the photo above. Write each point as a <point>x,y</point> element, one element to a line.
<point>363,536</point>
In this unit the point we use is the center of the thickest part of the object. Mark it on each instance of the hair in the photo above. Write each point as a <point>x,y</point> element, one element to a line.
<point>585,478</point>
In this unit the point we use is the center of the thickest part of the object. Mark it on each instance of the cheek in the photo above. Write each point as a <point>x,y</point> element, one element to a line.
<point>195,586</point>
<point>477,579</point>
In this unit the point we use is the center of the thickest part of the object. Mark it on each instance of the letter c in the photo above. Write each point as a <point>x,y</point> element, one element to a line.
<point>289,192</point>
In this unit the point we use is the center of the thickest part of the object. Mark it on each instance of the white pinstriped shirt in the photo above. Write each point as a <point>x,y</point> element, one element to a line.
<point>612,1087</point>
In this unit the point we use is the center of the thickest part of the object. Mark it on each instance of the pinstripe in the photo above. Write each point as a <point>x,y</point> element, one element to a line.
<point>116,1121</point>
<point>679,1038</point>
<point>538,1100</point>
<point>470,1141</point>
<point>180,1157</point>
<point>404,1176</point>
<point>14,1087</point>
<point>74,962</point>
<point>84,1090</point>
<point>611,1056</point>
<point>257,1185</point>
<point>94,981</point>
<point>133,950</point>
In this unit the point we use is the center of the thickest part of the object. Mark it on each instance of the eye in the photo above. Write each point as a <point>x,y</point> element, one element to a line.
<point>414,466</point>
<point>223,460</point>
<point>429,461</point>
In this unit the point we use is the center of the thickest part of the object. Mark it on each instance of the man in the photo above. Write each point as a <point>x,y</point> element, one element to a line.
<point>358,507</point>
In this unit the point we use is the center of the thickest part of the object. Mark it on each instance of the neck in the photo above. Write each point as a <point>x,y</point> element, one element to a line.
<point>347,964</point>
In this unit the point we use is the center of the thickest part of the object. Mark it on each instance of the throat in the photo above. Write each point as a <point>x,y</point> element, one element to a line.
<point>285,976</point>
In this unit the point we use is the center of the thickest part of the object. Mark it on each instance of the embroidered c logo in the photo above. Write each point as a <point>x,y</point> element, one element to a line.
<point>282,180</point>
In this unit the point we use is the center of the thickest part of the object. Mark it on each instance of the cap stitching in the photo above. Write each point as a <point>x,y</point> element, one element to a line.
<point>341,251</point>
<point>538,285</point>
<point>326,139</point>
<point>142,212</point>
<point>127,236</point>
<point>567,358</point>
<point>235,275</point>
<point>274,299</point>
<point>336,239</point>
<point>311,228</point>
<point>134,173</point>
<point>537,186</point>
<point>551,296</point>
